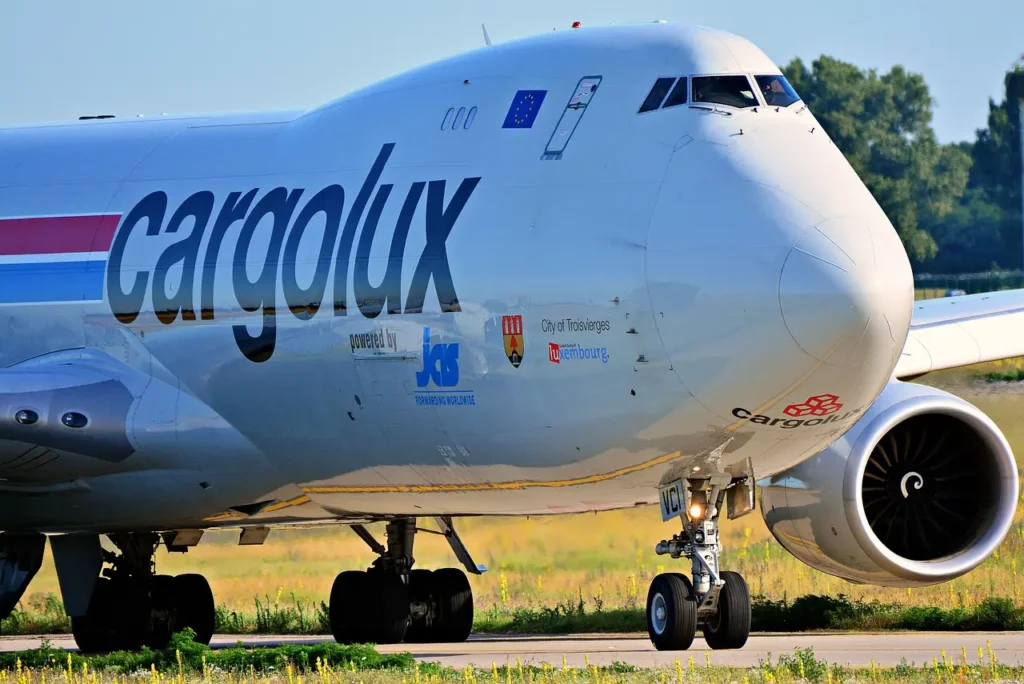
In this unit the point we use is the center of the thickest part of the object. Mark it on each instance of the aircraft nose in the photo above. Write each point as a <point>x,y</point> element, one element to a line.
<point>774,282</point>
<point>845,293</point>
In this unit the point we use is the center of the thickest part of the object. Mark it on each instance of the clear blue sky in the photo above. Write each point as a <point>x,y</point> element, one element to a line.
<point>63,58</point>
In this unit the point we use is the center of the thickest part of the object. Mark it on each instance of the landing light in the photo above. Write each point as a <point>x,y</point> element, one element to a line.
<point>696,511</point>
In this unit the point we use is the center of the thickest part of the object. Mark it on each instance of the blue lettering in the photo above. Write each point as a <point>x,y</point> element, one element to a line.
<point>433,262</point>
<point>126,305</point>
<point>574,352</point>
<point>440,363</point>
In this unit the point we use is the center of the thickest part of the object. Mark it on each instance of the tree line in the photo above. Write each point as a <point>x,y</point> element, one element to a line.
<point>956,206</point>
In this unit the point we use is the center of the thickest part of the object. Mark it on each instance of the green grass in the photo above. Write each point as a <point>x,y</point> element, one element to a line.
<point>186,661</point>
<point>808,612</point>
<point>1012,375</point>
<point>298,617</point>
<point>185,655</point>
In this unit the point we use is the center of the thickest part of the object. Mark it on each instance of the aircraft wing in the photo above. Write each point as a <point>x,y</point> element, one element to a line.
<point>959,331</point>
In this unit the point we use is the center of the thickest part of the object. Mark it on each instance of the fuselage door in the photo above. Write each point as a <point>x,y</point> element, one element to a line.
<point>574,111</point>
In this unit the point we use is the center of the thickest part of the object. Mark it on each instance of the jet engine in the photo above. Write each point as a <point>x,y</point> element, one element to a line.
<point>920,490</point>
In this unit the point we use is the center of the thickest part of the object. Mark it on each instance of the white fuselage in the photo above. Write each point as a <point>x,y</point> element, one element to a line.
<point>632,295</point>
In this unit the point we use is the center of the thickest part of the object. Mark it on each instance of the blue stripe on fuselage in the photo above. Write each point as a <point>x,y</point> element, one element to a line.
<point>62,281</point>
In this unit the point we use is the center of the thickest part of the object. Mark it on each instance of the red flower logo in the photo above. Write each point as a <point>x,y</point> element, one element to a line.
<point>821,405</point>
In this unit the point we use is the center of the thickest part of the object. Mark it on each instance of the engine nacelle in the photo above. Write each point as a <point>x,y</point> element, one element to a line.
<point>920,490</point>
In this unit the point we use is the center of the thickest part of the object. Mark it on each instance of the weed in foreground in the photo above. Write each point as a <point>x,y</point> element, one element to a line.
<point>188,662</point>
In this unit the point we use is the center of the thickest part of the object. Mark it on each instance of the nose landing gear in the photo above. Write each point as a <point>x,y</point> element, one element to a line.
<point>717,601</point>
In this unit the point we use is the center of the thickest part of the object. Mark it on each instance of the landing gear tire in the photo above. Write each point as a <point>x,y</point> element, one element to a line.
<point>391,602</point>
<point>454,605</point>
<point>195,607</point>
<point>422,629</point>
<point>125,618</point>
<point>348,607</point>
<point>671,612</point>
<point>448,599</point>
<point>131,606</point>
<point>388,618</point>
<point>369,607</point>
<point>162,612</point>
<point>730,626</point>
<point>100,629</point>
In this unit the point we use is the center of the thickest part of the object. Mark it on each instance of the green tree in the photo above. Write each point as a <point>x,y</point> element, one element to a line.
<point>996,151</point>
<point>882,123</point>
<point>972,238</point>
<point>984,230</point>
<point>996,175</point>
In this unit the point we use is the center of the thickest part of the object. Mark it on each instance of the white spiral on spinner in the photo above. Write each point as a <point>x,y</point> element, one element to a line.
<point>918,483</point>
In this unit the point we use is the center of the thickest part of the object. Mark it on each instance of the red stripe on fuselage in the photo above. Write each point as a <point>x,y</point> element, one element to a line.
<point>58,234</point>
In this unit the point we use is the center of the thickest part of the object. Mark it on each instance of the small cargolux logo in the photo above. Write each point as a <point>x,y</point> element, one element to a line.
<point>817,410</point>
<point>820,405</point>
<point>918,483</point>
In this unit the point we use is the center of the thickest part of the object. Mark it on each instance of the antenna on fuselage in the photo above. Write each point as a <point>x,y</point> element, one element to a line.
<point>487,38</point>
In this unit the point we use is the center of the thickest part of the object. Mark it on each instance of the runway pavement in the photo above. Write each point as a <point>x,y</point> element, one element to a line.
<point>885,649</point>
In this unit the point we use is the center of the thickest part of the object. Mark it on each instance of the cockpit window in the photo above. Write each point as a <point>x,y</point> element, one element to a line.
<point>658,92</point>
<point>678,94</point>
<point>734,91</point>
<point>777,91</point>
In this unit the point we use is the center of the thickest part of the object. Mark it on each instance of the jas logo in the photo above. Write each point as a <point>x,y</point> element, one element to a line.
<point>255,276</point>
<point>440,363</point>
<point>441,369</point>
<point>512,334</point>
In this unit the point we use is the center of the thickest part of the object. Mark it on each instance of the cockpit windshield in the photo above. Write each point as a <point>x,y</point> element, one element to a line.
<point>776,91</point>
<point>734,91</point>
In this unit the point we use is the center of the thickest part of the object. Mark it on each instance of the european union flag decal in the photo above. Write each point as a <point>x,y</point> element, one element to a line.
<point>524,108</point>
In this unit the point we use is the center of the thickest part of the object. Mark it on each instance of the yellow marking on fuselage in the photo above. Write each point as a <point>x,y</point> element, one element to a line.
<point>297,501</point>
<point>232,515</point>
<point>227,515</point>
<point>491,486</point>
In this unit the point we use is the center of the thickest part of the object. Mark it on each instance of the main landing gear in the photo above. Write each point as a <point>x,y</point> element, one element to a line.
<point>716,601</point>
<point>391,602</point>
<point>131,606</point>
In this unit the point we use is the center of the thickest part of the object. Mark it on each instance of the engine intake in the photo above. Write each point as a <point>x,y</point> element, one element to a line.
<point>921,490</point>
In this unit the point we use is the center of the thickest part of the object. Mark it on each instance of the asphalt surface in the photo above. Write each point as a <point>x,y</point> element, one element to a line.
<point>885,649</point>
